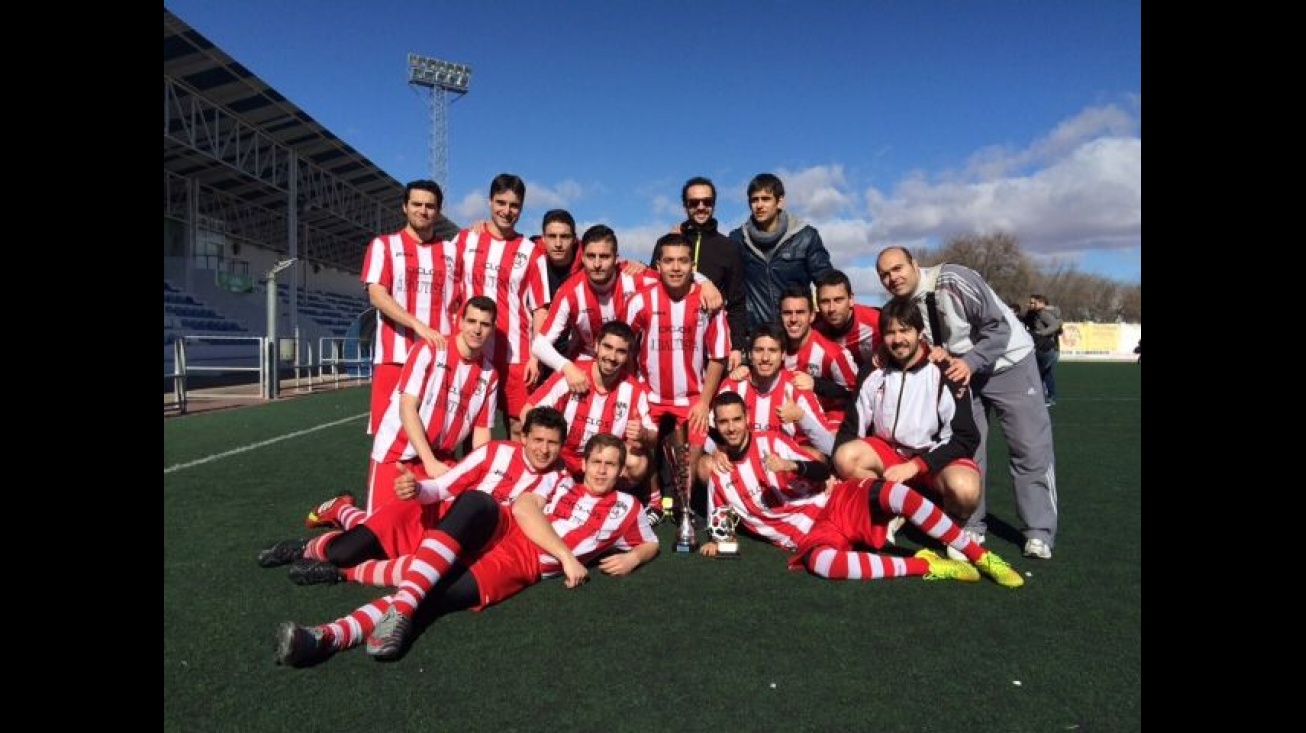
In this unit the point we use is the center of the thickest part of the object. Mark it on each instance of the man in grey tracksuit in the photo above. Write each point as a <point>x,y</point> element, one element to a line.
<point>987,346</point>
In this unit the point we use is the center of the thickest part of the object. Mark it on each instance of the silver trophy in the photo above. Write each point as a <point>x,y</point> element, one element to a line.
<point>677,457</point>
<point>721,526</point>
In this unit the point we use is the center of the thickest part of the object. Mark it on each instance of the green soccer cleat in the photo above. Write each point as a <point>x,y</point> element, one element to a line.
<point>942,568</point>
<point>998,569</point>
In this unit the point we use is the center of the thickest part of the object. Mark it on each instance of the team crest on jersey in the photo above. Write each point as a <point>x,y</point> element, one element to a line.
<point>519,259</point>
<point>619,410</point>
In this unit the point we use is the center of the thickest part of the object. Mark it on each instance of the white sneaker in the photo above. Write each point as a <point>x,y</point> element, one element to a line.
<point>976,537</point>
<point>1035,547</point>
<point>891,532</point>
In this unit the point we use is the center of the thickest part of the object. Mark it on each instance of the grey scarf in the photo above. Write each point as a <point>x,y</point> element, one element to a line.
<point>766,241</point>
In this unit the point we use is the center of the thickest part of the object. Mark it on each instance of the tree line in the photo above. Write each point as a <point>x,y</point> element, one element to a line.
<point>1015,276</point>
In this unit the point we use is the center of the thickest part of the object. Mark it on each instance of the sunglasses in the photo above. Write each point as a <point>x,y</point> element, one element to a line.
<point>695,203</point>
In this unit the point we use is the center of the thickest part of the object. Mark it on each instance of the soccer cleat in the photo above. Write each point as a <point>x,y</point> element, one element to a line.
<point>891,531</point>
<point>314,572</point>
<point>388,640</point>
<point>300,647</point>
<point>325,513</point>
<point>282,552</point>
<point>998,569</point>
<point>1035,547</point>
<point>955,554</point>
<point>942,568</point>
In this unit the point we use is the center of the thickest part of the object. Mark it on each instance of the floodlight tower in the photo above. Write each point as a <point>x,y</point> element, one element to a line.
<point>443,79</point>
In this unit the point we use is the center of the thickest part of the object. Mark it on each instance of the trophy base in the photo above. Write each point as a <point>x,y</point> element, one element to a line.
<point>685,546</point>
<point>727,549</point>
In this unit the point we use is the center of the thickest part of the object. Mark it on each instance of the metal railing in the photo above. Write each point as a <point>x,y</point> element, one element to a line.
<point>340,361</point>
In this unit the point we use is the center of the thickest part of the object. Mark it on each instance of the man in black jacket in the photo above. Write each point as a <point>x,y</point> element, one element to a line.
<point>717,257</point>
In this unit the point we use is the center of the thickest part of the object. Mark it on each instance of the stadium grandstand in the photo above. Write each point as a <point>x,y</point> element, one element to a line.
<point>252,182</point>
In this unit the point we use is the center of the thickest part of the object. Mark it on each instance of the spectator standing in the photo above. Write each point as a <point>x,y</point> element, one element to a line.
<point>1043,322</point>
<point>716,257</point>
<point>778,250</point>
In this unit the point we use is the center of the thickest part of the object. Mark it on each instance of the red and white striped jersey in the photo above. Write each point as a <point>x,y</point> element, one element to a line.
<point>761,407</point>
<point>862,337</point>
<point>579,307</point>
<point>514,274</point>
<point>499,468</point>
<point>596,411</point>
<point>677,337</point>
<point>422,278</point>
<point>591,525</point>
<point>821,357</point>
<point>780,508</point>
<point>454,396</point>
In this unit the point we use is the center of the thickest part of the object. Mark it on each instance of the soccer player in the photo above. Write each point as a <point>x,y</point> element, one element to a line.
<point>682,350</point>
<point>503,469</point>
<point>830,365</point>
<point>444,395</point>
<point>777,493</point>
<point>613,402</point>
<point>911,424</point>
<point>488,553</point>
<point>507,267</point>
<point>411,278</point>
<point>983,344</point>
<point>773,402</point>
<point>716,257</point>
<point>585,302</point>
<point>854,326</point>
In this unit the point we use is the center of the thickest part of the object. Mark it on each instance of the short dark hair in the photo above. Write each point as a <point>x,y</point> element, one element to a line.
<point>696,181</point>
<point>729,397</point>
<point>508,182</point>
<point>604,440</point>
<point>833,278</point>
<point>599,233</point>
<point>674,239</point>
<point>797,291</point>
<point>771,330</point>
<point>482,303</point>
<point>1040,298</point>
<point>766,182</point>
<point>620,329</point>
<point>545,417</point>
<point>425,185</point>
<point>903,311</point>
<point>558,216</point>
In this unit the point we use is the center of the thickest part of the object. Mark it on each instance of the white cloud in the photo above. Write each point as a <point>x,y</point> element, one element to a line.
<point>1077,189</point>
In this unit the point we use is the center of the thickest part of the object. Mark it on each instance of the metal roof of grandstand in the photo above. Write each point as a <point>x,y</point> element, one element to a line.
<point>240,140</point>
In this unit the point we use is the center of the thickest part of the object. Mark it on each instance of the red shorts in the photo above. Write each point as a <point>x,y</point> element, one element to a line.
<point>381,479</point>
<point>923,481</point>
<point>681,413</point>
<point>513,390</point>
<point>400,526</point>
<point>385,379</point>
<point>846,522</point>
<point>509,567</point>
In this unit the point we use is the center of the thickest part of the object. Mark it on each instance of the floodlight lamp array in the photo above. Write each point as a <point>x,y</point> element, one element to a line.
<point>428,72</point>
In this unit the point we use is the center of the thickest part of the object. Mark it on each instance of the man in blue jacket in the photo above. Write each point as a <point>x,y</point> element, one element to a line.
<point>778,249</point>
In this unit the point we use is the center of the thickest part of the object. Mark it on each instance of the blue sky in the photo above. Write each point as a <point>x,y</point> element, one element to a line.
<point>889,122</point>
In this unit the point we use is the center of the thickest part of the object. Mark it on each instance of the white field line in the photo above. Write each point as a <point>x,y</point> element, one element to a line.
<point>260,444</point>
